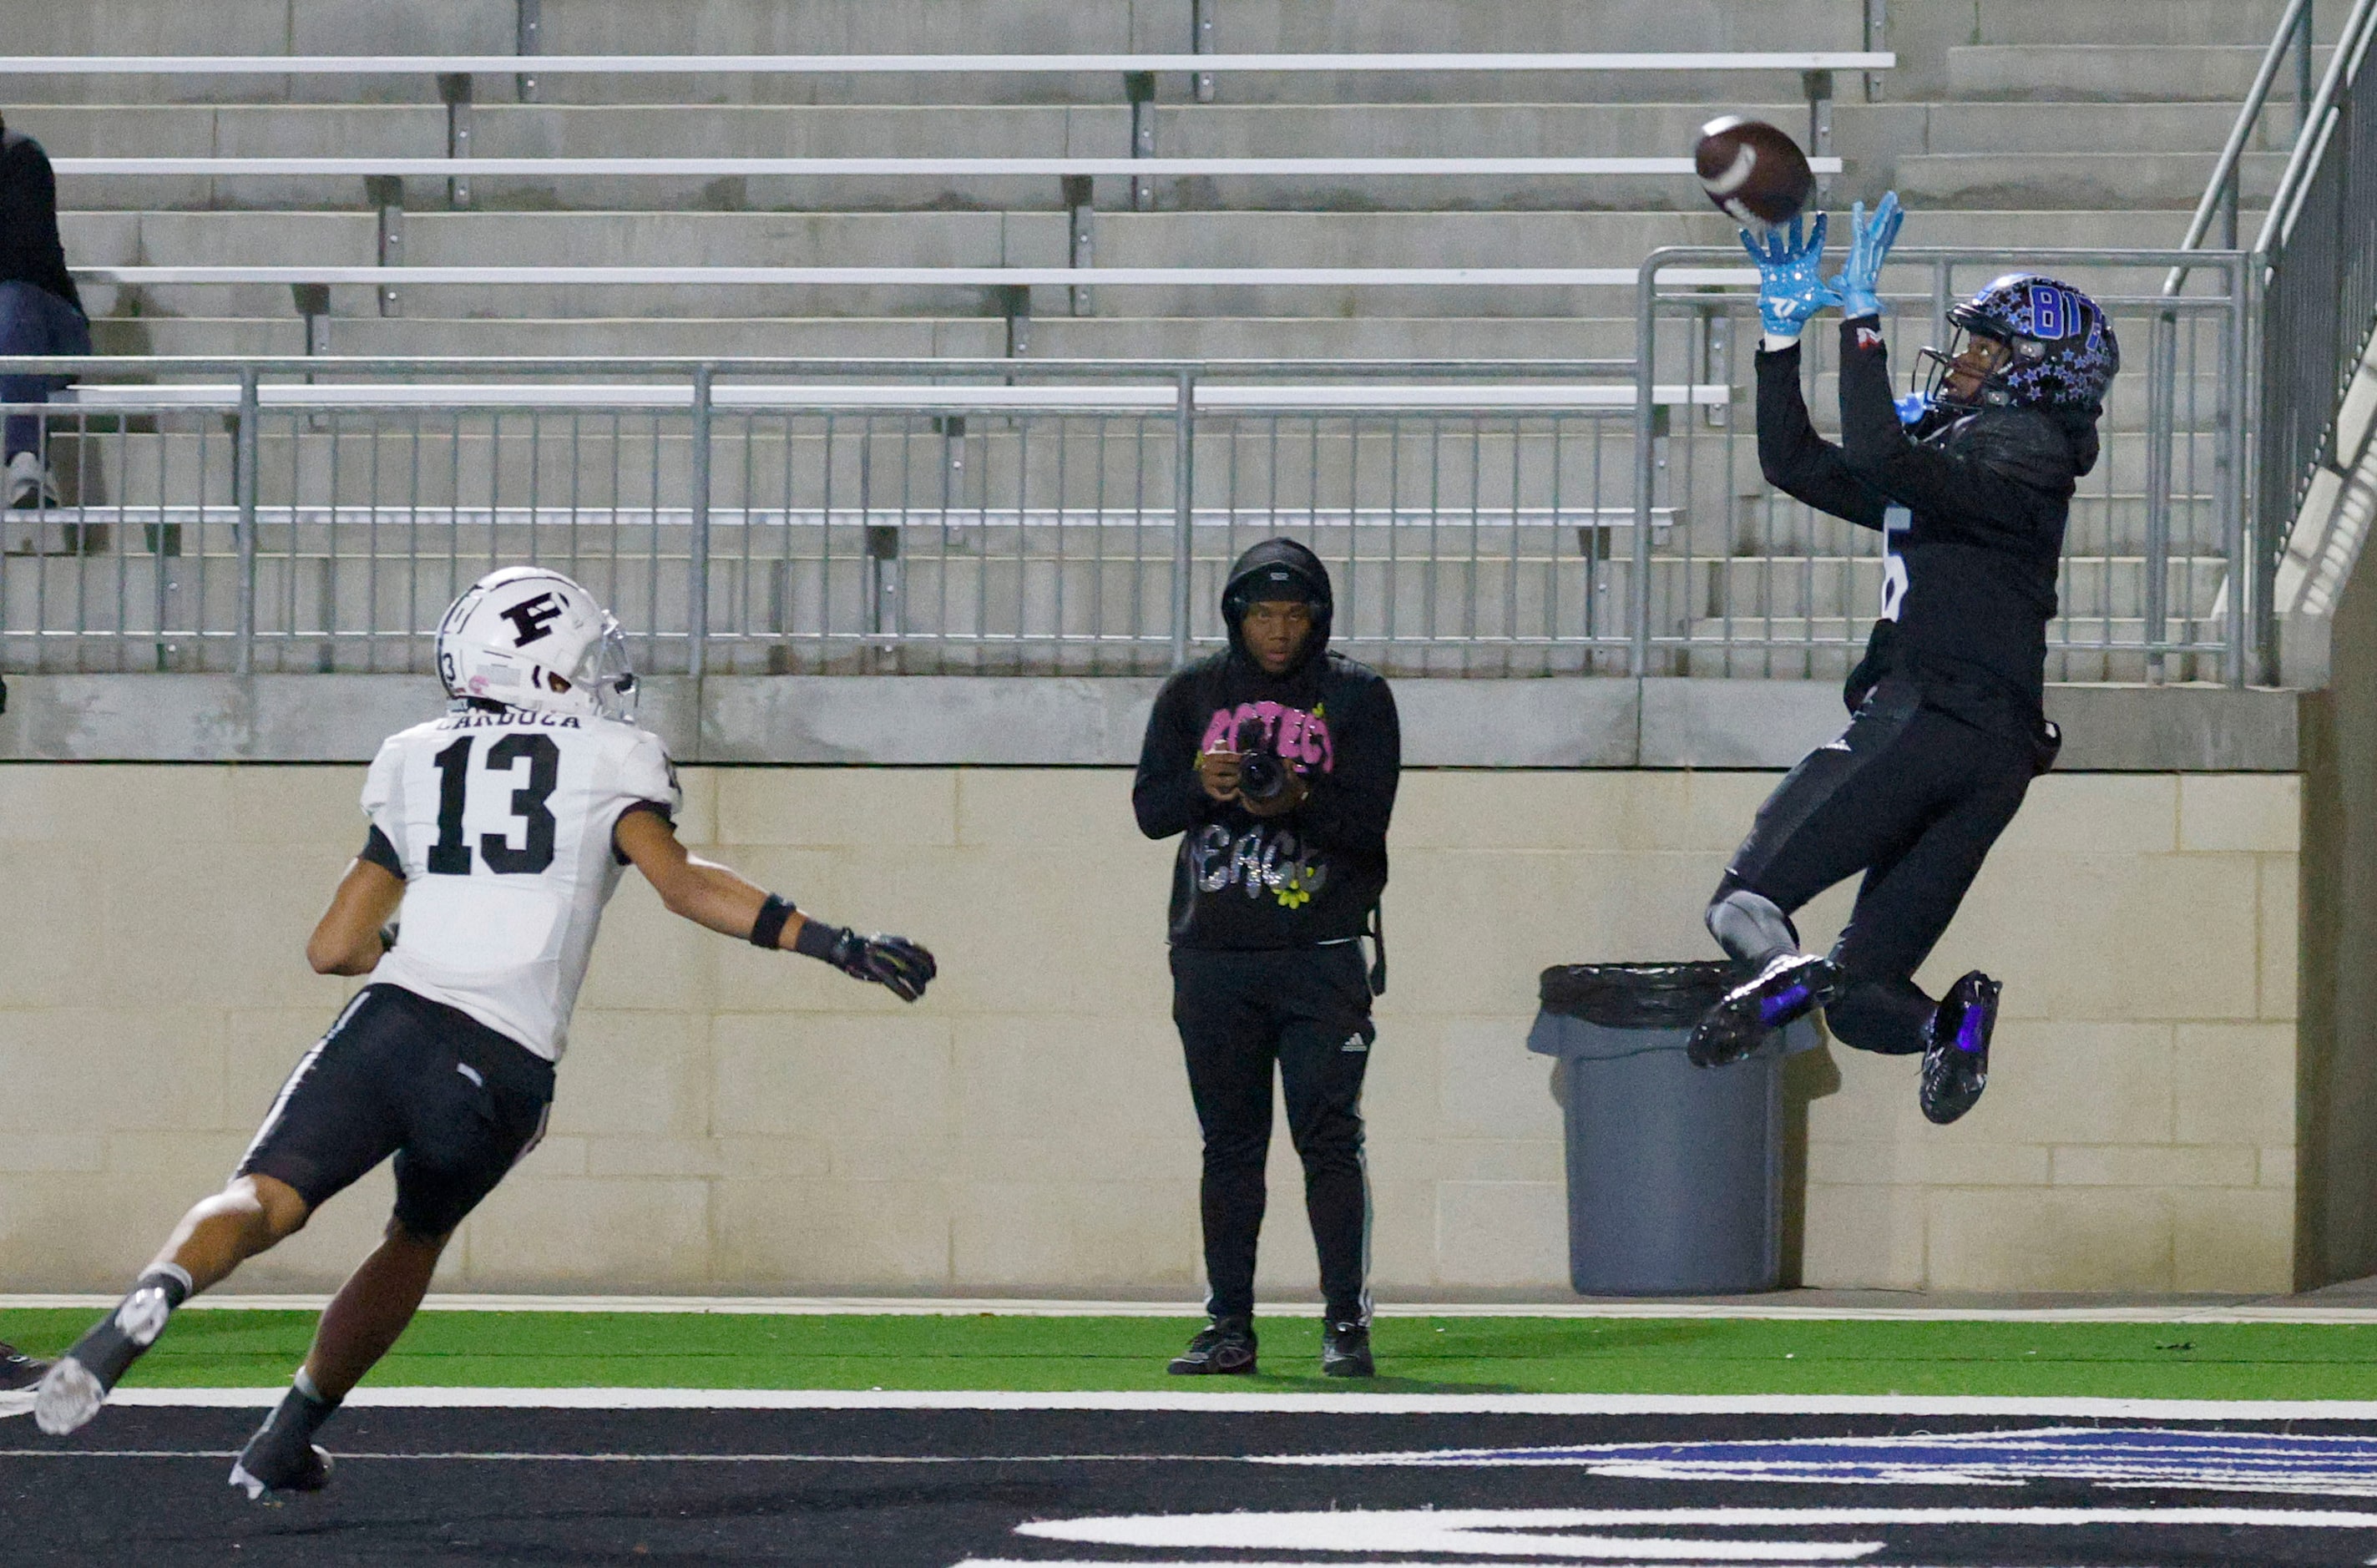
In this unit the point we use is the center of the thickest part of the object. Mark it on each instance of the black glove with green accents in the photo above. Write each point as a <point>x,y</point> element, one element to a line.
<point>896,963</point>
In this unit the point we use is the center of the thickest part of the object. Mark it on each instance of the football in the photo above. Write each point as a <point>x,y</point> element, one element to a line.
<point>1755,172</point>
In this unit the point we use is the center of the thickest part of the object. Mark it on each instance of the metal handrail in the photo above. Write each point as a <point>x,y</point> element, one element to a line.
<point>2287,198</point>
<point>367,164</point>
<point>922,277</point>
<point>2221,193</point>
<point>923,65</point>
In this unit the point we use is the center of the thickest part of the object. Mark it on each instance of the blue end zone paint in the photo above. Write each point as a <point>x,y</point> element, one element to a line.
<point>2340,1465</point>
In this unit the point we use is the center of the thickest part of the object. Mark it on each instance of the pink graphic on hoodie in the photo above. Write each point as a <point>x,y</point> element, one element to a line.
<point>1294,735</point>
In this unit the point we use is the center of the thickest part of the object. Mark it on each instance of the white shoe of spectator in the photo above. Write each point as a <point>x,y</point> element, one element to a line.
<point>29,485</point>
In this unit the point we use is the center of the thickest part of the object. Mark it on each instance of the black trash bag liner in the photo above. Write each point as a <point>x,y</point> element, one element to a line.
<point>1638,996</point>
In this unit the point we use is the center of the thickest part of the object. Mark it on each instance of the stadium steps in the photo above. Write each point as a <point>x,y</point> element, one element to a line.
<point>907,131</point>
<point>2000,136</point>
<point>974,336</point>
<point>2106,73</point>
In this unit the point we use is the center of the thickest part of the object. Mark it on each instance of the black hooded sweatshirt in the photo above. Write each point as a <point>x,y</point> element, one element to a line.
<point>1310,876</point>
<point>30,249</point>
<point>1973,506</point>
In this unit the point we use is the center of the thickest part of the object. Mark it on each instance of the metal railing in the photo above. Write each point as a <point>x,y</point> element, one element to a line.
<point>939,516</point>
<point>230,167</point>
<point>1759,584</point>
<point>2317,255</point>
<point>1080,523</point>
<point>2224,193</point>
<point>1199,63</point>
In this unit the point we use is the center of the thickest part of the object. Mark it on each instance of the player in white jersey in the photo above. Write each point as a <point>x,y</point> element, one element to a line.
<point>497,833</point>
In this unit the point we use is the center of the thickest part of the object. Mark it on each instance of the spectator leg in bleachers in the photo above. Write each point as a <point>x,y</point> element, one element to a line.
<point>34,321</point>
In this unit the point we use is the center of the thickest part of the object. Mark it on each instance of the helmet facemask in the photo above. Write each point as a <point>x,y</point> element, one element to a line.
<point>607,675</point>
<point>1970,373</point>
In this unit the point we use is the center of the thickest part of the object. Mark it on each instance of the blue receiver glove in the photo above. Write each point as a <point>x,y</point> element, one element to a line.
<point>1912,408</point>
<point>1791,285</point>
<point>1869,243</point>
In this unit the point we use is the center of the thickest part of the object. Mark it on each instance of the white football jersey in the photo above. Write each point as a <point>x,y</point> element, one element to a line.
<point>502,821</point>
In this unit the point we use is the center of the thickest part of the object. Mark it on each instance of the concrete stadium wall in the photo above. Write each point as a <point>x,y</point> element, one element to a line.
<point>733,1122</point>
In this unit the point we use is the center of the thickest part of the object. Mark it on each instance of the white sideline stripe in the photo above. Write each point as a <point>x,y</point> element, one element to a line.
<point>229,167</point>
<point>1188,1402</point>
<point>1453,396</point>
<point>943,277</point>
<point>531,1457</point>
<point>2277,1311</point>
<point>922,65</point>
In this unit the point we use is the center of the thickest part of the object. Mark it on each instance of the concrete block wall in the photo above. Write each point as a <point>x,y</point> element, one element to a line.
<point>733,1122</point>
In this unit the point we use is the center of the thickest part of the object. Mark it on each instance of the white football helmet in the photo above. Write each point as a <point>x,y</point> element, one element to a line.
<point>531,638</point>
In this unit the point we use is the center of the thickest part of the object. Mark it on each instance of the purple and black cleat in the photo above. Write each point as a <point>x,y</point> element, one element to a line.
<point>1784,991</point>
<point>19,1371</point>
<point>1956,1055</point>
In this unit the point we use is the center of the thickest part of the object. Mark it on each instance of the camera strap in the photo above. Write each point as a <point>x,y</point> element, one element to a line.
<point>1378,950</point>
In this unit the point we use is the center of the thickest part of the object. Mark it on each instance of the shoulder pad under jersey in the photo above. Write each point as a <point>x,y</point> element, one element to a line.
<point>2026,445</point>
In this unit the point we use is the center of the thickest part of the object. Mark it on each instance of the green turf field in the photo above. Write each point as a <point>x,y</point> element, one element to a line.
<point>1450,1355</point>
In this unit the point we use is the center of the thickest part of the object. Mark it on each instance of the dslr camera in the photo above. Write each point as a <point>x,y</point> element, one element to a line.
<point>1262,777</point>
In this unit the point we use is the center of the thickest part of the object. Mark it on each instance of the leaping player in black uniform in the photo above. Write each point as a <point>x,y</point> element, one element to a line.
<point>499,831</point>
<point>1970,485</point>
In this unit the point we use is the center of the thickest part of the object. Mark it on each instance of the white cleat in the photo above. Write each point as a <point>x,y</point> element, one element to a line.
<point>255,1489</point>
<point>69,1396</point>
<point>29,486</point>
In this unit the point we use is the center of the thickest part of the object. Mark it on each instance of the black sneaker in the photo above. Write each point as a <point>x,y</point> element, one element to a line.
<point>19,1371</point>
<point>1224,1345</point>
<point>1787,989</point>
<point>1345,1351</point>
<point>1956,1054</point>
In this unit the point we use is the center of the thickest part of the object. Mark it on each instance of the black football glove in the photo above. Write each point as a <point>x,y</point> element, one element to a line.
<point>896,963</point>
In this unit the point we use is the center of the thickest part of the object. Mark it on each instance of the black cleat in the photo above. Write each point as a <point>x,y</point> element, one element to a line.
<point>73,1390</point>
<point>282,1455</point>
<point>1956,1053</point>
<point>307,1471</point>
<point>1225,1346</point>
<point>19,1371</point>
<point>1345,1351</point>
<point>1787,989</point>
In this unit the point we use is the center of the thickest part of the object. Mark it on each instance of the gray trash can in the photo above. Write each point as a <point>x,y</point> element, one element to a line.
<point>1674,1171</point>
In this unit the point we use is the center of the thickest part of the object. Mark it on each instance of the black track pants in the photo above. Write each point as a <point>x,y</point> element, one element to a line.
<point>1308,1010</point>
<point>1914,800</point>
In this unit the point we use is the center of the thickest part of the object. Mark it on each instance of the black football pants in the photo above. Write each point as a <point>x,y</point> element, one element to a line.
<point>1307,1009</point>
<point>1914,800</point>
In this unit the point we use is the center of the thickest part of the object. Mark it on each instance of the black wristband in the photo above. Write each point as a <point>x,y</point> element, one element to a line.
<point>817,939</point>
<point>767,930</point>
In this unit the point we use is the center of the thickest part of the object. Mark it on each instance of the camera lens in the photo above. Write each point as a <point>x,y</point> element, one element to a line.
<point>1262,778</point>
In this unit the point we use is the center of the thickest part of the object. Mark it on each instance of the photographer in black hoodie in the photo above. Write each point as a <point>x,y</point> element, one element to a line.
<point>1970,485</point>
<point>1275,760</point>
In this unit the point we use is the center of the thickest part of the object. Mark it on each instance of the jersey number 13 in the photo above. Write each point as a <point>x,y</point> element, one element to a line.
<point>450,855</point>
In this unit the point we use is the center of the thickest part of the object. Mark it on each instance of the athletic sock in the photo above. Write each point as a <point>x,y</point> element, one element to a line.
<point>113,1344</point>
<point>301,1411</point>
